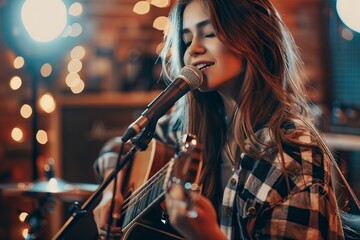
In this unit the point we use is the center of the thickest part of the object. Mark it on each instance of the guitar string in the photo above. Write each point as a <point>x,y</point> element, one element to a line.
<point>146,185</point>
<point>143,191</point>
<point>139,204</point>
<point>153,181</point>
<point>135,200</point>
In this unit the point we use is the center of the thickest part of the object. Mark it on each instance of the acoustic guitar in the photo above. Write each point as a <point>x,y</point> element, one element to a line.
<point>146,181</point>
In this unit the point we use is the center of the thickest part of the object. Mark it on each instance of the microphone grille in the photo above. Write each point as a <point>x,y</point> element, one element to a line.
<point>192,75</point>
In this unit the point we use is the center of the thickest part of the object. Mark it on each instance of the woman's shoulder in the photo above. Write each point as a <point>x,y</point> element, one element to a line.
<point>168,130</point>
<point>266,182</point>
<point>276,174</point>
<point>295,145</point>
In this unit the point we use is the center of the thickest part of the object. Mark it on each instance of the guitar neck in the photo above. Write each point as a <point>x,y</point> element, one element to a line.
<point>184,168</point>
<point>144,198</point>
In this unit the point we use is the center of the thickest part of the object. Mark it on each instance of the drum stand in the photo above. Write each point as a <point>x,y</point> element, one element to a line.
<point>37,219</point>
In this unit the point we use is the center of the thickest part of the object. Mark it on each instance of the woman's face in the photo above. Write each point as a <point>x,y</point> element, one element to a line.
<point>218,64</point>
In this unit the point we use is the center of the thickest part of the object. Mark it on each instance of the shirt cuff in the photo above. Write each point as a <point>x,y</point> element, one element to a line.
<point>104,162</point>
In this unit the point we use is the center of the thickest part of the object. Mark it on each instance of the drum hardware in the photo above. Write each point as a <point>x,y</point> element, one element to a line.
<point>46,191</point>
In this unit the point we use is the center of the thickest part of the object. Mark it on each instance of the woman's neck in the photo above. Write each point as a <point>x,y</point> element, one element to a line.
<point>232,88</point>
<point>229,104</point>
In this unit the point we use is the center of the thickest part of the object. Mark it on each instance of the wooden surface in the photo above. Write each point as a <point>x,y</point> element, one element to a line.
<point>344,142</point>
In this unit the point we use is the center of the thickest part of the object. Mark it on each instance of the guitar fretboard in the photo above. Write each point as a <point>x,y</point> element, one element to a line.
<point>144,197</point>
<point>185,167</point>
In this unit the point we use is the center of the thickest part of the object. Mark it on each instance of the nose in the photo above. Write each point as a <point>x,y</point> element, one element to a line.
<point>196,48</point>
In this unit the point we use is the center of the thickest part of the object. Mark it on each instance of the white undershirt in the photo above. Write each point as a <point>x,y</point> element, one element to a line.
<point>229,149</point>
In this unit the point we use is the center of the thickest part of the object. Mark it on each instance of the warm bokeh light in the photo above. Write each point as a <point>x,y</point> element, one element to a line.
<point>19,62</point>
<point>159,48</point>
<point>79,87</point>
<point>347,34</point>
<point>76,30</point>
<point>15,83</point>
<point>26,111</point>
<point>160,23</point>
<point>71,78</point>
<point>67,31</point>
<point>77,52</point>
<point>348,11</point>
<point>161,3</point>
<point>22,216</point>
<point>75,65</point>
<point>141,7</point>
<point>41,137</point>
<point>25,233</point>
<point>17,134</point>
<point>75,9</point>
<point>44,20</point>
<point>167,29</point>
<point>75,83</point>
<point>46,70</point>
<point>47,103</point>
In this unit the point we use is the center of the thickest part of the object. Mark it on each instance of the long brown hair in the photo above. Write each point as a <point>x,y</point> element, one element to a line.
<point>273,89</point>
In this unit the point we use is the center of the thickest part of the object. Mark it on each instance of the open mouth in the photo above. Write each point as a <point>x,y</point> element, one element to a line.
<point>203,66</point>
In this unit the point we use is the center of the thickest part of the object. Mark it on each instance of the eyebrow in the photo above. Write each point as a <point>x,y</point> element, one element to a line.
<point>198,25</point>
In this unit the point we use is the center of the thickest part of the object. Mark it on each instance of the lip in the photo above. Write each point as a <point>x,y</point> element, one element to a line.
<point>204,70</point>
<point>201,65</point>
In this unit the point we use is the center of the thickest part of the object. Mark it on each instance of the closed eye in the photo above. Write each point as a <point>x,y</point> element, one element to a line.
<point>210,35</point>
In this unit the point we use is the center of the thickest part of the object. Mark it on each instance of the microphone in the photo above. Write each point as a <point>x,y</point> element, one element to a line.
<point>189,78</point>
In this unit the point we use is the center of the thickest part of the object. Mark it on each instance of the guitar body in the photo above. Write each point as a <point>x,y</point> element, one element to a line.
<point>141,231</point>
<point>144,165</point>
<point>145,182</point>
<point>151,227</point>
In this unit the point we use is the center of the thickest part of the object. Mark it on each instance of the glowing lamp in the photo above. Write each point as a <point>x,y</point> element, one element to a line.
<point>348,11</point>
<point>44,20</point>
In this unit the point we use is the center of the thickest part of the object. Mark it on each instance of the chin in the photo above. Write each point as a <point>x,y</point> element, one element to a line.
<point>208,88</point>
<point>204,89</point>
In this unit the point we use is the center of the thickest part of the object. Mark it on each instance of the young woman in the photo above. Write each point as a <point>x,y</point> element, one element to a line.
<point>266,169</point>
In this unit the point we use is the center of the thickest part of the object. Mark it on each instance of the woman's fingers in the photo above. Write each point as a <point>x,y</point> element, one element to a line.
<point>194,219</point>
<point>101,214</point>
<point>113,232</point>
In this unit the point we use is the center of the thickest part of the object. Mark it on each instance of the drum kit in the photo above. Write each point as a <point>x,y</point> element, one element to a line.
<point>46,192</point>
<point>55,187</point>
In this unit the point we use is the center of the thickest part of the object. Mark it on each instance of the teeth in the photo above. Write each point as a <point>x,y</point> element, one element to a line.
<point>202,65</point>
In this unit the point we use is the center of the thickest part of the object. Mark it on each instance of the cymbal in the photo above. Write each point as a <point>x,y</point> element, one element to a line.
<point>54,187</point>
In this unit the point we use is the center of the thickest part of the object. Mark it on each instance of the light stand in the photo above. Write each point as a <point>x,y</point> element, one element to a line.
<point>35,146</point>
<point>33,20</point>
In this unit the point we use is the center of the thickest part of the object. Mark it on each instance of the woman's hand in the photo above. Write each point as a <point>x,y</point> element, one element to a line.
<point>102,210</point>
<point>201,225</point>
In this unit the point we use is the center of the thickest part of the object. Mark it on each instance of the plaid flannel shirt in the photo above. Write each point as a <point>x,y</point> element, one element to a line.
<point>257,201</point>
<point>257,204</point>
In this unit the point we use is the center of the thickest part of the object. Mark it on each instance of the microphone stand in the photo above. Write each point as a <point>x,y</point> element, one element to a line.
<point>140,143</point>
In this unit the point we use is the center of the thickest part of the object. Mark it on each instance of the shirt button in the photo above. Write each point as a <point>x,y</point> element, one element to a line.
<point>228,211</point>
<point>233,181</point>
<point>250,211</point>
